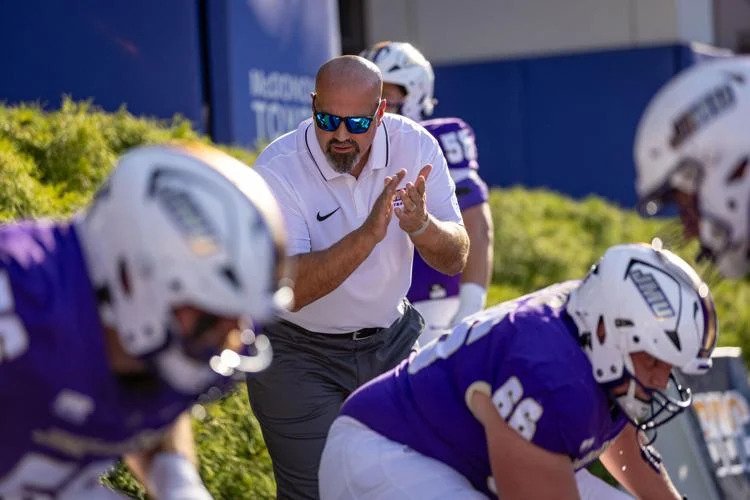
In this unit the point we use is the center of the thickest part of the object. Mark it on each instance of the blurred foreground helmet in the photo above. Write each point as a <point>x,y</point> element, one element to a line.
<point>402,64</point>
<point>184,226</point>
<point>641,298</point>
<point>693,138</point>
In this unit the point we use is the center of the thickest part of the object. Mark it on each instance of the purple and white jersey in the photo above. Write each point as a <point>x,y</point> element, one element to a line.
<point>523,352</point>
<point>456,139</point>
<point>65,416</point>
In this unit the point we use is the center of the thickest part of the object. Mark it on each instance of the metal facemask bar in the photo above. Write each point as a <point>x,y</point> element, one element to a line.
<point>662,406</point>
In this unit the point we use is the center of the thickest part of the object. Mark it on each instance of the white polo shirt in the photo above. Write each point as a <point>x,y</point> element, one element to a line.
<point>321,206</point>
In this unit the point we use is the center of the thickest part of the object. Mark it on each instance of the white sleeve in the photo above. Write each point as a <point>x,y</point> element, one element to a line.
<point>298,234</point>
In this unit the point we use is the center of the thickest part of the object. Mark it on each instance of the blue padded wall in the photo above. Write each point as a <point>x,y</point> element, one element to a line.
<point>563,122</point>
<point>139,52</point>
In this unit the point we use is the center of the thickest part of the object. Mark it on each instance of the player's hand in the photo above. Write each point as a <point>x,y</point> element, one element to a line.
<point>376,224</point>
<point>412,212</point>
<point>471,299</point>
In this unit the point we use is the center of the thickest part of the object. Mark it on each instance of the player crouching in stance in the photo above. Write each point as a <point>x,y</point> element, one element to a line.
<point>518,397</point>
<point>112,324</point>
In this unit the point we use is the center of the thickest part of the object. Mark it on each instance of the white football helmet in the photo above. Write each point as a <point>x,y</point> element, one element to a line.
<point>692,138</point>
<point>184,225</point>
<point>642,298</point>
<point>402,64</point>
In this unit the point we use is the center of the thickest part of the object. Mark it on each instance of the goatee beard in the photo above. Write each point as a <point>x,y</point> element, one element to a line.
<point>342,163</point>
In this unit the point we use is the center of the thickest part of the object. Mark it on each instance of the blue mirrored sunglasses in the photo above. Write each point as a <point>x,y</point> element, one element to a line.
<point>354,124</point>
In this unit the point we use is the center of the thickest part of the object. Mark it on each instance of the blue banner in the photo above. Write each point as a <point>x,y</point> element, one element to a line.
<point>263,56</point>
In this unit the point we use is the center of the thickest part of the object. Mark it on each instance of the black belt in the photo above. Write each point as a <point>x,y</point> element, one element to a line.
<point>361,334</point>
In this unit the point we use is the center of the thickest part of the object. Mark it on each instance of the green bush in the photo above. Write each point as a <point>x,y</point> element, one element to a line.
<point>50,163</point>
<point>542,237</point>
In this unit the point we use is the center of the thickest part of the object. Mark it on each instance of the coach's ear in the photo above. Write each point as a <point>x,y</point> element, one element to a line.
<point>380,111</point>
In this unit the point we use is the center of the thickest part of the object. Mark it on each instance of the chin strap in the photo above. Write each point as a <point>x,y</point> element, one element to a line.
<point>635,409</point>
<point>651,456</point>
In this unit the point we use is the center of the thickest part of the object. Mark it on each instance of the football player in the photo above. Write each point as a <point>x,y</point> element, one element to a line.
<point>692,150</point>
<point>518,397</point>
<point>443,301</point>
<point>112,324</point>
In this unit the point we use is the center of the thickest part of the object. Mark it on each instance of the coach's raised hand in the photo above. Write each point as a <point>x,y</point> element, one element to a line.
<point>412,215</point>
<point>376,224</point>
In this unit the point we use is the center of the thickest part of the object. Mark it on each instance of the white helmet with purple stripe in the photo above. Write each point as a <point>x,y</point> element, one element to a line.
<point>402,64</point>
<point>183,226</point>
<point>643,298</point>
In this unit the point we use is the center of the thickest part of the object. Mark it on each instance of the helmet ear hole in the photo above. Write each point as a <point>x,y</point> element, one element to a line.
<point>601,331</point>
<point>739,170</point>
<point>124,277</point>
<point>230,276</point>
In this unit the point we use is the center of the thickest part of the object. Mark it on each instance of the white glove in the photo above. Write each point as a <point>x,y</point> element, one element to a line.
<point>471,299</point>
<point>173,477</point>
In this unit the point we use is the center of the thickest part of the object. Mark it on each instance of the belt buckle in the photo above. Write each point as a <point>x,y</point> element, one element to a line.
<point>360,335</point>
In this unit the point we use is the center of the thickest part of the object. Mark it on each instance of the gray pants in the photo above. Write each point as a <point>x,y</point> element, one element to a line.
<point>299,396</point>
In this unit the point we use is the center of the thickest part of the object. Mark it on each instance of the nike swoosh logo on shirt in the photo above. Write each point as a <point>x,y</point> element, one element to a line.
<point>321,218</point>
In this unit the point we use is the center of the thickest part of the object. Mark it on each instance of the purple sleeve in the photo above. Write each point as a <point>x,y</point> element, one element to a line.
<point>458,143</point>
<point>457,140</point>
<point>539,396</point>
<point>471,191</point>
<point>527,406</point>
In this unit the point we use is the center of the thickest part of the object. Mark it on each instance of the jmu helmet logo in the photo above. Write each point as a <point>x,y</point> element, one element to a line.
<point>709,107</point>
<point>170,191</point>
<point>651,291</point>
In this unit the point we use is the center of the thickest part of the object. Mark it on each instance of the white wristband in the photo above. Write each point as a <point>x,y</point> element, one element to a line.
<point>173,477</point>
<point>471,299</point>
<point>421,228</point>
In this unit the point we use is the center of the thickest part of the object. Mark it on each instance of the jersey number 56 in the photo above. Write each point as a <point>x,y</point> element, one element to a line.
<point>458,146</point>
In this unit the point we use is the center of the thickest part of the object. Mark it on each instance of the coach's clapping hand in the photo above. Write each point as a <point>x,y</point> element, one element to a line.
<point>376,224</point>
<point>412,214</point>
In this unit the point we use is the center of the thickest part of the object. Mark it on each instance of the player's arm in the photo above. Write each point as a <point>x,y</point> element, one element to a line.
<point>169,471</point>
<point>623,459</point>
<point>478,224</point>
<point>476,275</point>
<point>521,469</point>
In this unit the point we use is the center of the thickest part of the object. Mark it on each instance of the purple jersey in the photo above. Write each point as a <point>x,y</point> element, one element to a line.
<point>65,416</point>
<point>526,354</point>
<point>456,139</point>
